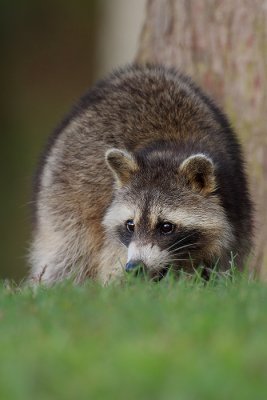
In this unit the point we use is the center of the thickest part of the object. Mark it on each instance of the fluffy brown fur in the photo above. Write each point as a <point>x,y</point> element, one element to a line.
<point>145,145</point>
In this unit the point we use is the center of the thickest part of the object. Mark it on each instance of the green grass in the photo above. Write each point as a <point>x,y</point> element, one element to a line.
<point>141,340</point>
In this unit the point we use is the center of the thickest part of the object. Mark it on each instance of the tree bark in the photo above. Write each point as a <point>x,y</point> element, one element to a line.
<point>223,46</point>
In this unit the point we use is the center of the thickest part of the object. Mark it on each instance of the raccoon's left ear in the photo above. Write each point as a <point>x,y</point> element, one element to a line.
<point>122,164</point>
<point>198,171</point>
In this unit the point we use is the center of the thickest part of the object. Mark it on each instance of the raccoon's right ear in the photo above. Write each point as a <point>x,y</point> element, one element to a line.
<point>122,164</point>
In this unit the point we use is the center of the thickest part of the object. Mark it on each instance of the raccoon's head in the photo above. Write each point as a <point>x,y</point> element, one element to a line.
<point>166,211</point>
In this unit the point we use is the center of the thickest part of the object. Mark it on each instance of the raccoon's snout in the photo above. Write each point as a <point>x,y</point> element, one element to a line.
<point>136,265</point>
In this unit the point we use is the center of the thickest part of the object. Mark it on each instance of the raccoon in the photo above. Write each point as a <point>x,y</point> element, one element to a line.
<point>145,170</point>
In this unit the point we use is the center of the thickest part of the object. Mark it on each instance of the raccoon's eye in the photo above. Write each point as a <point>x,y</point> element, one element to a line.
<point>166,228</point>
<point>130,225</point>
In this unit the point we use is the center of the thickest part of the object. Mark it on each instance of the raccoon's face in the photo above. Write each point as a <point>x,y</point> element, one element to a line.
<point>166,213</point>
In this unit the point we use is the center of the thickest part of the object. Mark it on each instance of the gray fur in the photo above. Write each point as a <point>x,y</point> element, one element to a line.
<point>161,119</point>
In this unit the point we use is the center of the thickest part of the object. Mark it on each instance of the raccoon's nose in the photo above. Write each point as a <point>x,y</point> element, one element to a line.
<point>135,265</point>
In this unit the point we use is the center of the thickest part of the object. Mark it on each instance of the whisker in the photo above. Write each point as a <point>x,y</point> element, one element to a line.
<point>183,247</point>
<point>180,253</point>
<point>179,241</point>
<point>122,243</point>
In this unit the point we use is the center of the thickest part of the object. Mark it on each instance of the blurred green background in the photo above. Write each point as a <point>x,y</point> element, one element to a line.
<point>51,52</point>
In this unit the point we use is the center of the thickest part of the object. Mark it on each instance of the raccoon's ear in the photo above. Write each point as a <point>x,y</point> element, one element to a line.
<point>198,171</point>
<point>122,164</point>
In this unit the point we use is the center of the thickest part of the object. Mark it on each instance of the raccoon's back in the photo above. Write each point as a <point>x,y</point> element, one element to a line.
<point>132,108</point>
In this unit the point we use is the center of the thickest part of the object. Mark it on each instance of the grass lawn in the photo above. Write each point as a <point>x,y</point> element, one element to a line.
<point>142,340</point>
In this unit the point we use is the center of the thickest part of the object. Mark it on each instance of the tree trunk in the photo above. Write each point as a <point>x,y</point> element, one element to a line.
<point>223,46</point>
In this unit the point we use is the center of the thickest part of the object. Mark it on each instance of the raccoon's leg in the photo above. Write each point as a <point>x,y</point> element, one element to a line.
<point>112,259</point>
<point>61,252</point>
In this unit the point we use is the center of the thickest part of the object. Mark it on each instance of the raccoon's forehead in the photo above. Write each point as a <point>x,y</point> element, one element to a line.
<point>195,215</point>
<point>118,213</point>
